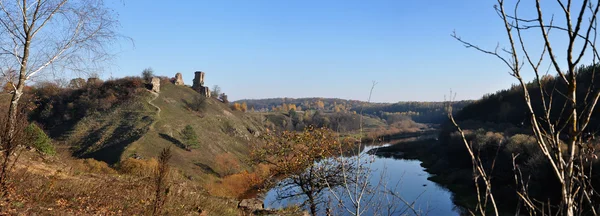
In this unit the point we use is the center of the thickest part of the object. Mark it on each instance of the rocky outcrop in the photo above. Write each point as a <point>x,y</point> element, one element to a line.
<point>155,84</point>
<point>179,79</point>
<point>251,205</point>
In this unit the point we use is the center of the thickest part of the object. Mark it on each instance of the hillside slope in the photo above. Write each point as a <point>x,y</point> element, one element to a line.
<point>219,131</point>
<point>141,124</point>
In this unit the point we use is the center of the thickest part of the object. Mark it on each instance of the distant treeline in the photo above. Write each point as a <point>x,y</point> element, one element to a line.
<point>422,112</point>
<point>327,104</point>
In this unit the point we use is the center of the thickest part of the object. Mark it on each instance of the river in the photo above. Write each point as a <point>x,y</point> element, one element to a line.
<point>412,185</point>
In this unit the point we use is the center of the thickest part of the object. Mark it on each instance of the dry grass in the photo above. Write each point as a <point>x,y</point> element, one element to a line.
<point>51,188</point>
<point>138,167</point>
<point>89,165</point>
<point>236,185</point>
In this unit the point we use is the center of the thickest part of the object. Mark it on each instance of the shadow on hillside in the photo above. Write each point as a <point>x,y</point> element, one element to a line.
<point>197,103</point>
<point>174,141</point>
<point>113,146</point>
<point>206,169</point>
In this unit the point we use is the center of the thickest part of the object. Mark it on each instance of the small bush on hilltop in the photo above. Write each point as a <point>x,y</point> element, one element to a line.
<point>39,140</point>
<point>198,103</point>
<point>147,74</point>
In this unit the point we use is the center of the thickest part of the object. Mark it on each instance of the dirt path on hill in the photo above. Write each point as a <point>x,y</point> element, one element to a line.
<point>157,108</point>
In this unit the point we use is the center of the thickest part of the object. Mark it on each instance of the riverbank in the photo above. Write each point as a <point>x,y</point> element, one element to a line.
<point>457,180</point>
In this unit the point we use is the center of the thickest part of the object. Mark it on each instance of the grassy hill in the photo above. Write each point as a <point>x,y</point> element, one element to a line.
<point>218,128</point>
<point>123,119</point>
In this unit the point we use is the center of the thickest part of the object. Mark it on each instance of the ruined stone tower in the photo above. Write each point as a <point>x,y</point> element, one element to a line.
<point>155,84</point>
<point>198,79</point>
<point>198,84</point>
<point>179,79</point>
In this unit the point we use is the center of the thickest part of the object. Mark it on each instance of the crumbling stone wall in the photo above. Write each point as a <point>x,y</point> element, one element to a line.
<point>205,91</point>
<point>179,79</point>
<point>155,84</point>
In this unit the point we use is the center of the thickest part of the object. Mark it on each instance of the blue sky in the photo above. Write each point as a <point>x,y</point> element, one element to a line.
<point>310,48</point>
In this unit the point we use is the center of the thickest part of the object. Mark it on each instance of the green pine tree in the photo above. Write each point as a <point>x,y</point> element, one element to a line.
<point>190,138</point>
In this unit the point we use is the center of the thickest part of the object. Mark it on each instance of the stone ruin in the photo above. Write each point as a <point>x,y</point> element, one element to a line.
<point>179,79</point>
<point>198,79</point>
<point>199,84</point>
<point>155,84</point>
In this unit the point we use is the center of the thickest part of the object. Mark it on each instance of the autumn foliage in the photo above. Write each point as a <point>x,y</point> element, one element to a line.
<point>227,163</point>
<point>292,152</point>
<point>236,185</point>
<point>239,107</point>
<point>307,161</point>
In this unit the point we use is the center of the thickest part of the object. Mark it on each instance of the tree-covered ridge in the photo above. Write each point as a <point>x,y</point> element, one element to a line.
<point>315,103</point>
<point>508,106</point>
<point>422,112</point>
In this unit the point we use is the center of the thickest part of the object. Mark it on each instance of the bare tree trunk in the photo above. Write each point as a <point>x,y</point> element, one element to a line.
<point>313,205</point>
<point>14,102</point>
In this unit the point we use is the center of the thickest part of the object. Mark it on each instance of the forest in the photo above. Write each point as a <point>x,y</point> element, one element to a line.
<point>498,129</point>
<point>420,112</point>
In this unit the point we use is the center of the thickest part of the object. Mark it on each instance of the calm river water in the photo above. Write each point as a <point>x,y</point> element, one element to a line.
<point>412,182</point>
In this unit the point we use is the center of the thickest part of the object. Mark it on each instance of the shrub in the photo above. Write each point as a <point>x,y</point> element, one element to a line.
<point>93,166</point>
<point>521,143</point>
<point>236,107</point>
<point>227,163</point>
<point>144,168</point>
<point>39,140</point>
<point>235,185</point>
<point>60,106</point>
<point>198,103</point>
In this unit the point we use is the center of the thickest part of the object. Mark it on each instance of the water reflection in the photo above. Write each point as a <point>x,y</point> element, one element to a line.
<point>407,178</point>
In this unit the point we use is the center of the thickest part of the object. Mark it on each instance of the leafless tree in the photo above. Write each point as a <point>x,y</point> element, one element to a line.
<point>356,184</point>
<point>358,195</point>
<point>576,29</point>
<point>42,35</point>
<point>216,91</point>
<point>479,171</point>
